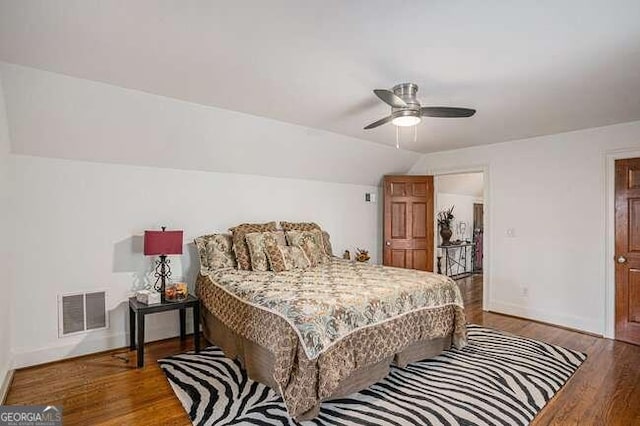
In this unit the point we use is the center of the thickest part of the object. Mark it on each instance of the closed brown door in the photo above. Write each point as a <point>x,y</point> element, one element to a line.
<point>408,222</point>
<point>628,250</point>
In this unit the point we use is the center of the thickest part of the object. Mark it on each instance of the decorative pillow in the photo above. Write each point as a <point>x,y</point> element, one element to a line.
<point>326,244</point>
<point>299,226</point>
<point>216,251</point>
<point>256,245</point>
<point>240,247</point>
<point>294,237</point>
<point>310,226</point>
<point>284,258</point>
<point>311,243</point>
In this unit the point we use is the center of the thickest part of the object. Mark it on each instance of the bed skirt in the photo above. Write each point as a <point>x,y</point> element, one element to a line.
<point>259,362</point>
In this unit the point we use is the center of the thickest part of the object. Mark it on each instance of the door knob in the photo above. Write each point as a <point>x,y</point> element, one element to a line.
<point>622,259</point>
<point>388,243</point>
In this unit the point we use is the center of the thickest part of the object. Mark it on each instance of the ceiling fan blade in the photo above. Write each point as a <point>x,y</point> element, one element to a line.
<point>446,112</point>
<point>379,122</point>
<point>390,98</point>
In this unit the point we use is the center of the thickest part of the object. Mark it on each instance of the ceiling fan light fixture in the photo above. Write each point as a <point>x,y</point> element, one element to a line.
<point>406,120</point>
<point>406,110</point>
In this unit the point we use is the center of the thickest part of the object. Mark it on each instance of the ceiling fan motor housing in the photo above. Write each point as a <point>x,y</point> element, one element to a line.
<point>407,92</point>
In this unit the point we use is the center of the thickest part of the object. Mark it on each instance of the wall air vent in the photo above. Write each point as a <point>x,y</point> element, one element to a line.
<point>82,312</point>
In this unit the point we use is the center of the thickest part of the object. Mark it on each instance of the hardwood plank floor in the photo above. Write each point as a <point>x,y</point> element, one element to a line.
<point>606,388</point>
<point>107,389</point>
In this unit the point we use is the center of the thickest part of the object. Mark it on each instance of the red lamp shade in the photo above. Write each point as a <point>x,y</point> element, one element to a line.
<point>162,242</point>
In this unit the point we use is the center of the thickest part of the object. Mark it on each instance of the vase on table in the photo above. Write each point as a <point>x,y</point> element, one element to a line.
<point>445,234</point>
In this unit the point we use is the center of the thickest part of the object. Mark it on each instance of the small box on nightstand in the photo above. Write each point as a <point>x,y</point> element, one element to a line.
<point>148,297</point>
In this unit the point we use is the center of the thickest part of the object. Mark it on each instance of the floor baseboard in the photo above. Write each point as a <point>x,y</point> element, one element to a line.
<point>6,384</point>
<point>575,330</point>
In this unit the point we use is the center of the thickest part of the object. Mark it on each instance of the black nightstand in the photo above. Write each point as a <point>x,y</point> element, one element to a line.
<point>139,310</point>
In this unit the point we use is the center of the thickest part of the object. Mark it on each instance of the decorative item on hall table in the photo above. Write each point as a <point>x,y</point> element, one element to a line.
<point>162,243</point>
<point>362,255</point>
<point>462,231</point>
<point>148,297</point>
<point>445,217</point>
<point>346,255</point>
<point>176,292</point>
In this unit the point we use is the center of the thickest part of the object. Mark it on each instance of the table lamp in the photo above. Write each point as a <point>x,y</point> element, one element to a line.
<point>162,243</point>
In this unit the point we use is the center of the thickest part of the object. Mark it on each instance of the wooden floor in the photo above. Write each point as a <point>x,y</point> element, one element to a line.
<point>108,389</point>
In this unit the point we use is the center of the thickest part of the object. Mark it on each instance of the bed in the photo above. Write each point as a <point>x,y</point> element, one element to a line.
<point>324,332</point>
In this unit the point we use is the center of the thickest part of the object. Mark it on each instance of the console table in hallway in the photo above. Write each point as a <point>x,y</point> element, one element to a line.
<point>458,259</point>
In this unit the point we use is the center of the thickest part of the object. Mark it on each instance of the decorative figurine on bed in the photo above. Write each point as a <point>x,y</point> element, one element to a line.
<point>362,255</point>
<point>346,255</point>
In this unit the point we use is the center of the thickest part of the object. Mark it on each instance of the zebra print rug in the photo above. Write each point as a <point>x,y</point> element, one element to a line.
<point>498,379</point>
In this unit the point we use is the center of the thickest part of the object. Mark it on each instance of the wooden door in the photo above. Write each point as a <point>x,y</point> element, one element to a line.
<point>628,250</point>
<point>408,222</point>
<point>478,216</point>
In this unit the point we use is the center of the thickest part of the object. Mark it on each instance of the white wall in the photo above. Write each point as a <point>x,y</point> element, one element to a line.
<point>462,184</point>
<point>551,191</point>
<point>5,245</point>
<point>94,165</point>
<point>77,223</point>
<point>54,115</point>
<point>79,226</point>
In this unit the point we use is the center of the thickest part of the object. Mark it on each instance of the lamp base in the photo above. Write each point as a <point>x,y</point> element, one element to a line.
<point>162,274</point>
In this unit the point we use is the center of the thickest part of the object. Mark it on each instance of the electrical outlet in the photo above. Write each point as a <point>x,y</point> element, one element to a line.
<point>524,291</point>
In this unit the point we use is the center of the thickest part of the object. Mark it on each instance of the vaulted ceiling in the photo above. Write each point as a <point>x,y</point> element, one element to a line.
<point>529,68</point>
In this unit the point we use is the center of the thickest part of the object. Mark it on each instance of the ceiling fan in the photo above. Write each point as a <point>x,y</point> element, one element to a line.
<point>406,110</point>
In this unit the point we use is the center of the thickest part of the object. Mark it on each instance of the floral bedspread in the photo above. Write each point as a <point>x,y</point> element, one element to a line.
<point>326,303</point>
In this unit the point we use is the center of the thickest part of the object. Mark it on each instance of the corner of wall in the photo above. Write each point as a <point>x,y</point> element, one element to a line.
<point>6,262</point>
<point>6,377</point>
<point>418,168</point>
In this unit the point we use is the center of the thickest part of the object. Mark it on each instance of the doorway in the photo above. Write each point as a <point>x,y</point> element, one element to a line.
<point>459,197</point>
